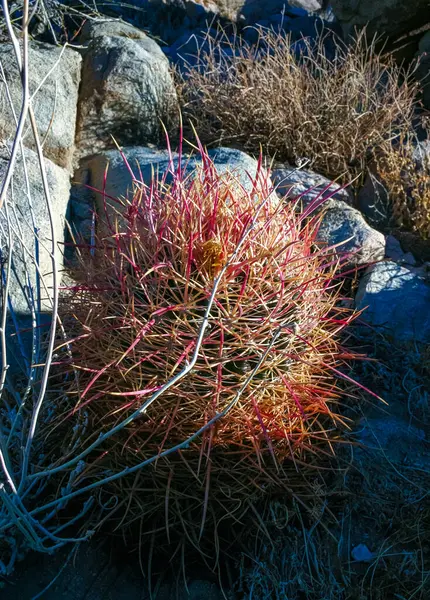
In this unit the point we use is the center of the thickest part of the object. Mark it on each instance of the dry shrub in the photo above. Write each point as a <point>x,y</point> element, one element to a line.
<point>298,100</point>
<point>301,560</point>
<point>262,385</point>
<point>407,181</point>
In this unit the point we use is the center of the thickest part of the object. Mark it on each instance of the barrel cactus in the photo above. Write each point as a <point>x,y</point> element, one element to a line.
<point>205,337</point>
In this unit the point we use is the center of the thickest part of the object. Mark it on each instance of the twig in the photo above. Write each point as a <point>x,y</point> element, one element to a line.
<point>23,67</point>
<point>51,341</point>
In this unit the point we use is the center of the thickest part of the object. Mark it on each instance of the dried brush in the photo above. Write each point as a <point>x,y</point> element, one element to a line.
<point>313,99</point>
<point>406,178</point>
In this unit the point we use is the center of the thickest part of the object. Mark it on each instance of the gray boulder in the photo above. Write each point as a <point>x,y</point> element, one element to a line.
<point>308,185</point>
<point>55,103</point>
<point>145,161</point>
<point>24,216</point>
<point>396,300</point>
<point>341,224</point>
<point>127,89</point>
<point>340,221</point>
<point>345,226</point>
<point>25,237</point>
<point>389,17</point>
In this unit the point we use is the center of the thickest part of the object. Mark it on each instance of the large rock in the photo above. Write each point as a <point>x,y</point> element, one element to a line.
<point>397,301</point>
<point>146,161</point>
<point>25,216</point>
<point>346,228</point>
<point>30,282</point>
<point>341,223</point>
<point>55,103</point>
<point>127,90</point>
<point>384,17</point>
<point>309,185</point>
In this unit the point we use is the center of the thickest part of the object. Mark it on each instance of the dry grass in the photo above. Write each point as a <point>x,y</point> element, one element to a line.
<point>264,388</point>
<point>298,101</point>
<point>298,559</point>
<point>407,184</point>
<point>375,495</point>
